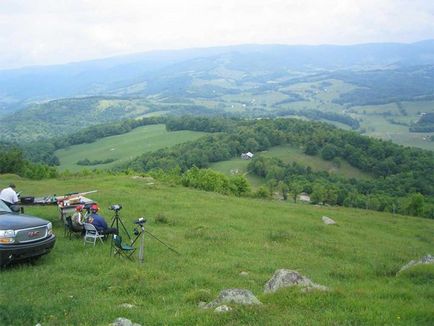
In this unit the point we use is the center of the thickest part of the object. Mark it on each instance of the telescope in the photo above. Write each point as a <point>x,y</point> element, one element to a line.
<point>140,221</point>
<point>115,207</point>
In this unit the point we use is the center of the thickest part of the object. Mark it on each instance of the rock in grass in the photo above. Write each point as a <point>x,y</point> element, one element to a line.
<point>127,305</point>
<point>286,278</point>
<point>428,259</point>
<point>327,220</point>
<point>223,308</point>
<point>238,296</point>
<point>124,322</point>
<point>202,304</point>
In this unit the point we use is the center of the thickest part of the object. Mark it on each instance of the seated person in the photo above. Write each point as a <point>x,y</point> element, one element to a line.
<point>77,218</point>
<point>99,222</point>
<point>9,196</point>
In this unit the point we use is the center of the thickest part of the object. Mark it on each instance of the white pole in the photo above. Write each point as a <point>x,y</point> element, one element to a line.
<point>142,246</point>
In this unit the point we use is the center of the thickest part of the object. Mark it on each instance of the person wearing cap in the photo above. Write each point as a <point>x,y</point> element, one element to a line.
<point>77,218</point>
<point>9,196</point>
<point>99,222</point>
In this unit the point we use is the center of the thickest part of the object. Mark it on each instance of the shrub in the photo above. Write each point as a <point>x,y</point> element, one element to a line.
<point>278,236</point>
<point>161,219</point>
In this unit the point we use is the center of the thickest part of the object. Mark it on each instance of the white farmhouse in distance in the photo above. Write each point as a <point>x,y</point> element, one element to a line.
<point>247,156</point>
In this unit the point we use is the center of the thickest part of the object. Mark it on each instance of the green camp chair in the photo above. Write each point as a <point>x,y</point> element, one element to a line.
<point>122,249</point>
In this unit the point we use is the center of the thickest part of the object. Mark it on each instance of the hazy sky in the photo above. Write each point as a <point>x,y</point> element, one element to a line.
<point>59,31</point>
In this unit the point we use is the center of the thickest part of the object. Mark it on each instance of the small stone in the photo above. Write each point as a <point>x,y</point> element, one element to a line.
<point>124,322</point>
<point>327,220</point>
<point>223,308</point>
<point>202,304</point>
<point>244,274</point>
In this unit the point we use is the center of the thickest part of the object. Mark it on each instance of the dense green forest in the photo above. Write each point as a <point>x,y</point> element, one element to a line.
<point>12,160</point>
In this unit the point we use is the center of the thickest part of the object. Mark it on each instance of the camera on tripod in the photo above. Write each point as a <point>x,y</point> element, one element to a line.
<point>115,207</point>
<point>140,221</point>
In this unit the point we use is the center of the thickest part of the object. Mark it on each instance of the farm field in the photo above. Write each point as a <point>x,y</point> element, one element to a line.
<point>218,237</point>
<point>123,147</point>
<point>288,154</point>
<point>377,124</point>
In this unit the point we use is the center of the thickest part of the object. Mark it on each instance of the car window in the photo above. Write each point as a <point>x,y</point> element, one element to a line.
<point>4,207</point>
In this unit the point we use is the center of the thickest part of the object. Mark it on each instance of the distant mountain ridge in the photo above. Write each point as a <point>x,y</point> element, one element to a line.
<point>99,77</point>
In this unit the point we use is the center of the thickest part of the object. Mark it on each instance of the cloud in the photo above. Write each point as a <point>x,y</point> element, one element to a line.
<point>56,31</point>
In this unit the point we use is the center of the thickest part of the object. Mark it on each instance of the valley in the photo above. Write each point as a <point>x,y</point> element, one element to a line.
<point>377,98</point>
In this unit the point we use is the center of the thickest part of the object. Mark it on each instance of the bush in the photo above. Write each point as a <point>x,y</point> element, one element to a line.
<point>262,192</point>
<point>161,219</point>
<point>278,236</point>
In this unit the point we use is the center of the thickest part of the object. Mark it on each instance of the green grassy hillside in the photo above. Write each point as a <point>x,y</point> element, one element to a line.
<point>288,154</point>
<point>123,147</point>
<point>218,237</point>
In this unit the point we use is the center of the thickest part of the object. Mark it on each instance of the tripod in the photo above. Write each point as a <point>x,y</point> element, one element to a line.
<point>117,219</point>
<point>141,234</point>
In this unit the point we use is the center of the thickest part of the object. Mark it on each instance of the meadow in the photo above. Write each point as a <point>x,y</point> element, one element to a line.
<point>123,147</point>
<point>376,124</point>
<point>218,237</point>
<point>288,154</point>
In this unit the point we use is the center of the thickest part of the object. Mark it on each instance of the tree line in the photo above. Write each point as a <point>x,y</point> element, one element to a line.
<point>12,160</point>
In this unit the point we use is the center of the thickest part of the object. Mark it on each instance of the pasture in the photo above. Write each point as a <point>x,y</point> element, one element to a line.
<point>123,147</point>
<point>288,154</point>
<point>218,237</point>
<point>375,120</point>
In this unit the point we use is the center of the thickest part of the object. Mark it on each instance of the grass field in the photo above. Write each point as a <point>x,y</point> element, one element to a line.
<point>238,166</point>
<point>123,147</point>
<point>288,154</point>
<point>377,125</point>
<point>218,237</point>
<point>291,154</point>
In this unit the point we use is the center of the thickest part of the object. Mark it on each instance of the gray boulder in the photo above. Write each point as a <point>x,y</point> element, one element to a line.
<point>237,296</point>
<point>123,322</point>
<point>327,220</point>
<point>286,278</point>
<point>428,259</point>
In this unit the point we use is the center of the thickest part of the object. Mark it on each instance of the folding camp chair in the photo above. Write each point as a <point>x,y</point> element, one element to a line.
<point>92,234</point>
<point>122,249</point>
<point>69,227</point>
